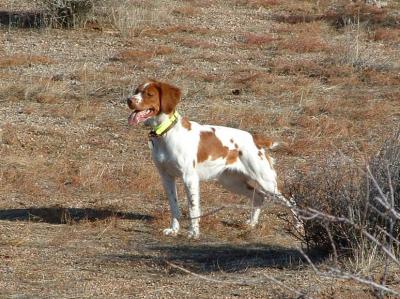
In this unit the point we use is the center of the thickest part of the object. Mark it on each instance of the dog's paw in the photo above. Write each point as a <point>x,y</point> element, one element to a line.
<point>170,232</point>
<point>192,234</point>
<point>250,223</point>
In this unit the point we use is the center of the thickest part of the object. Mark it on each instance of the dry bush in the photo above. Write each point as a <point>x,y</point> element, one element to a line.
<point>340,14</point>
<point>356,52</point>
<point>356,200</point>
<point>344,13</point>
<point>68,13</point>
<point>132,18</point>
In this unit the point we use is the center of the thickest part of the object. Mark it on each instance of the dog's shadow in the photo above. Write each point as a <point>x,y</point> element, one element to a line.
<point>62,215</point>
<point>204,258</point>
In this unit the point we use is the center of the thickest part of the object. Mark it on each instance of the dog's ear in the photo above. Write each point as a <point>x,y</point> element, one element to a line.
<point>170,96</point>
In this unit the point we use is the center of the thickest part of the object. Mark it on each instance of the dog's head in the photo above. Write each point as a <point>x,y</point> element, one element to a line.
<point>152,99</point>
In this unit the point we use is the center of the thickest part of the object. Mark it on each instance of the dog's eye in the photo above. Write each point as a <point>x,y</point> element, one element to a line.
<point>136,91</point>
<point>150,94</point>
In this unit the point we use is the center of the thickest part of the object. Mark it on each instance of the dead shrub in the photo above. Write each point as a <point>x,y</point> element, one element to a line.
<point>355,198</point>
<point>133,18</point>
<point>341,14</point>
<point>68,13</point>
<point>345,13</point>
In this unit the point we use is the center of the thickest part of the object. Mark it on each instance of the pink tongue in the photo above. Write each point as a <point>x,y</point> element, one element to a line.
<point>133,119</point>
<point>137,117</point>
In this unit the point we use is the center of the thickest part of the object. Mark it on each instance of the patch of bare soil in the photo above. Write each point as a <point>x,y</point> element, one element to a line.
<point>81,204</point>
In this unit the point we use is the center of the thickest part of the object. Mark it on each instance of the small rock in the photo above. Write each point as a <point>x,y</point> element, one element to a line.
<point>236,92</point>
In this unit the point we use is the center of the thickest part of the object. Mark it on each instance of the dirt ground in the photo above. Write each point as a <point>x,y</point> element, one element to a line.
<point>81,206</point>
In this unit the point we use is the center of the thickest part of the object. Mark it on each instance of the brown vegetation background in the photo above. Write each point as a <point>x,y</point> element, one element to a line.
<point>81,204</point>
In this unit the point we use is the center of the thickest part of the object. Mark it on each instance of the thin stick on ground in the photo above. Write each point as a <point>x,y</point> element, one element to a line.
<point>240,282</point>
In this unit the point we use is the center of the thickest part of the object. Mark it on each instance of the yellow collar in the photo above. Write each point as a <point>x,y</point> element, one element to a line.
<point>165,126</point>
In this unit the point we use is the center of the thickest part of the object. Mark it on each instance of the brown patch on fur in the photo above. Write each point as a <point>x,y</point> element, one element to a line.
<point>186,123</point>
<point>232,156</point>
<point>159,96</point>
<point>151,99</point>
<point>261,142</point>
<point>264,142</point>
<point>210,147</point>
<point>269,159</point>
<point>169,96</point>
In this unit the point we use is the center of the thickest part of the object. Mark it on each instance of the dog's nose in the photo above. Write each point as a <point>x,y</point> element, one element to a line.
<point>131,102</point>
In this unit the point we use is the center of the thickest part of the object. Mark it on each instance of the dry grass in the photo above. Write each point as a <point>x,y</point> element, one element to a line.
<point>136,56</point>
<point>320,77</point>
<point>253,39</point>
<point>23,60</point>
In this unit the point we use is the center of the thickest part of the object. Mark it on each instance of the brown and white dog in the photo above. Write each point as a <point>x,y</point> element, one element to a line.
<point>185,149</point>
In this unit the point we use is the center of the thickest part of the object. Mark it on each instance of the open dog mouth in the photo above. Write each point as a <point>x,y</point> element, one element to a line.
<point>140,116</point>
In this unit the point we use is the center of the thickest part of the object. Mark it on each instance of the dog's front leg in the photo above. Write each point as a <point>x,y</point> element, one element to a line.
<point>170,189</point>
<point>191,182</point>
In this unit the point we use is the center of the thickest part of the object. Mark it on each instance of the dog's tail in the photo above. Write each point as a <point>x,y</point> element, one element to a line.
<point>263,142</point>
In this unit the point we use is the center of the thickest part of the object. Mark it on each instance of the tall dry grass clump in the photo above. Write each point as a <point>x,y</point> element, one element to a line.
<point>132,18</point>
<point>67,13</point>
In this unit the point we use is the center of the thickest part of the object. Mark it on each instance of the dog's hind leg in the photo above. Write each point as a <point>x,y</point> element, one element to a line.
<point>262,172</point>
<point>239,183</point>
<point>271,187</point>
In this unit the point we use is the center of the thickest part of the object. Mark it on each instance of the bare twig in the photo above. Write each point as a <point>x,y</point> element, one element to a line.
<point>238,282</point>
<point>336,273</point>
<point>324,216</point>
<point>299,294</point>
